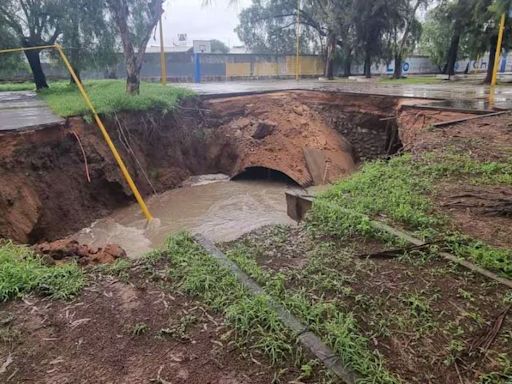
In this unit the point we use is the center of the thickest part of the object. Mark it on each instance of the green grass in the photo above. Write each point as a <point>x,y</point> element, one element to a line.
<point>336,327</point>
<point>399,191</point>
<point>412,80</point>
<point>22,272</point>
<point>25,86</point>
<point>256,324</point>
<point>109,96</point>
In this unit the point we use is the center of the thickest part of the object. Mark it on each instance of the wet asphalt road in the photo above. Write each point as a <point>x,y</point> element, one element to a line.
<point>24,110</point>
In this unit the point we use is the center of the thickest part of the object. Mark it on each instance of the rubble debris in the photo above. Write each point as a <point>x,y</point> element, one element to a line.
<point>66,249</point>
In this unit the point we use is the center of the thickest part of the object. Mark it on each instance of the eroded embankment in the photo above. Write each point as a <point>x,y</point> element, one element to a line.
<point>312,137</point>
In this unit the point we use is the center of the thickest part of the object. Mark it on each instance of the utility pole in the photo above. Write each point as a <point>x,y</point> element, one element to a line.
<point>297,61</point>
<point>497,56</point>
<point>163,62</point>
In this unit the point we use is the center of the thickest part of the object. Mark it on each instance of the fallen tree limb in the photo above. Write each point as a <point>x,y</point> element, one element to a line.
<point>450,122</point>
<point>397,252</point>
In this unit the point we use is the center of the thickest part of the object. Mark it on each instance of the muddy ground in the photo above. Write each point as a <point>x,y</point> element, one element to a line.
<point>120,331</point>
<point>468,204</point>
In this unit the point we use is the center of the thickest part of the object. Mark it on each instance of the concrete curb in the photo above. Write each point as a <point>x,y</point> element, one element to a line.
<point>307,338</point>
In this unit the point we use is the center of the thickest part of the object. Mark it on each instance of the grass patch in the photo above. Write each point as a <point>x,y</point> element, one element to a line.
<point>22,272</point>
<point>256,324</point>
<point>337,328</point>
<point>12,87</point>
<point>399,190</point>
<point>109,96</point>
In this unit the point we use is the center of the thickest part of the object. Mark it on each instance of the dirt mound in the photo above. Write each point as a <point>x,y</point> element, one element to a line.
<point>65,250</point>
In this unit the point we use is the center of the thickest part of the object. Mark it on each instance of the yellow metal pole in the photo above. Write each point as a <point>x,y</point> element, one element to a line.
<point>297,60</point>
<point>103,130</point>
<point>163,63</point>
<point>498,51</point>
<point>26,48</point>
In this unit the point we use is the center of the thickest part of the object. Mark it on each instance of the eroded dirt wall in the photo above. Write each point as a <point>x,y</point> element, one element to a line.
<point>312,137</point>
<point>44,192</point>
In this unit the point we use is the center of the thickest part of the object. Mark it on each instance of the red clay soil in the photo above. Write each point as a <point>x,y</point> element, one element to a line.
<point>67,250</point>
<point>472,208</point>
<point>122,333</point>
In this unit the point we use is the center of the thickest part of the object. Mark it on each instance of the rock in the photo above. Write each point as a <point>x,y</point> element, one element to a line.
<point>264,129</point>
<point>241,123</point>
<point>66,250</point>
<point>298,110</point>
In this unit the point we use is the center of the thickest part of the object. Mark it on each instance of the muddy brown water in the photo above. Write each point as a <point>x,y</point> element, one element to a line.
<point>212,205</point>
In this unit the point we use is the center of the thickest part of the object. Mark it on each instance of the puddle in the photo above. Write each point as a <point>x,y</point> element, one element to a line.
<point>212,205</point>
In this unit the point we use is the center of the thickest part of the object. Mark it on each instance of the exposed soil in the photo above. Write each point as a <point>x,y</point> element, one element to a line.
<point>481,211</point>
<point>422,314</point>
<point>45,193</point>
<point>117,332</point>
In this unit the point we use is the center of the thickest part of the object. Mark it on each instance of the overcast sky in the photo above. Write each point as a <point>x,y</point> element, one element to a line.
<point>215,21</point>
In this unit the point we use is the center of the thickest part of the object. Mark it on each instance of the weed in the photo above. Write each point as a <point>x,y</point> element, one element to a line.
<point>140,329</point>
<point>400,190</point>
<point>120,269</point>
<point>465,295</point>
<point>252,317</point>
<point>178,329</point>
<point>22,272</point>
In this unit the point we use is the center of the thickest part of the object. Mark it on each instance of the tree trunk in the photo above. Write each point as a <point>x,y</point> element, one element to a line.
<point>37,70</point>
<point>492,59</point>
<point>397,74</point>
<point>367,65</point>
<point>347,67</point>
<point>132,77</point>
<point>133,61</point>
<point>331,51</point>
<point>452,54</point>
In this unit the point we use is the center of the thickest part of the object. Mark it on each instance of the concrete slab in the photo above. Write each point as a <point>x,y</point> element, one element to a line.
<point>24,110</point>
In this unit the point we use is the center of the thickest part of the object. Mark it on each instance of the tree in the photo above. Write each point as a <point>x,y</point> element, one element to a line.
<point>87,36</point>
<point>34,23</point>
<point>461,13</point>
<point>135,21</point>
<point>9,62</point>
<point>219,47</point>
<point>270,27</point>
<point>372,19</point>
<point>406,30</point>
